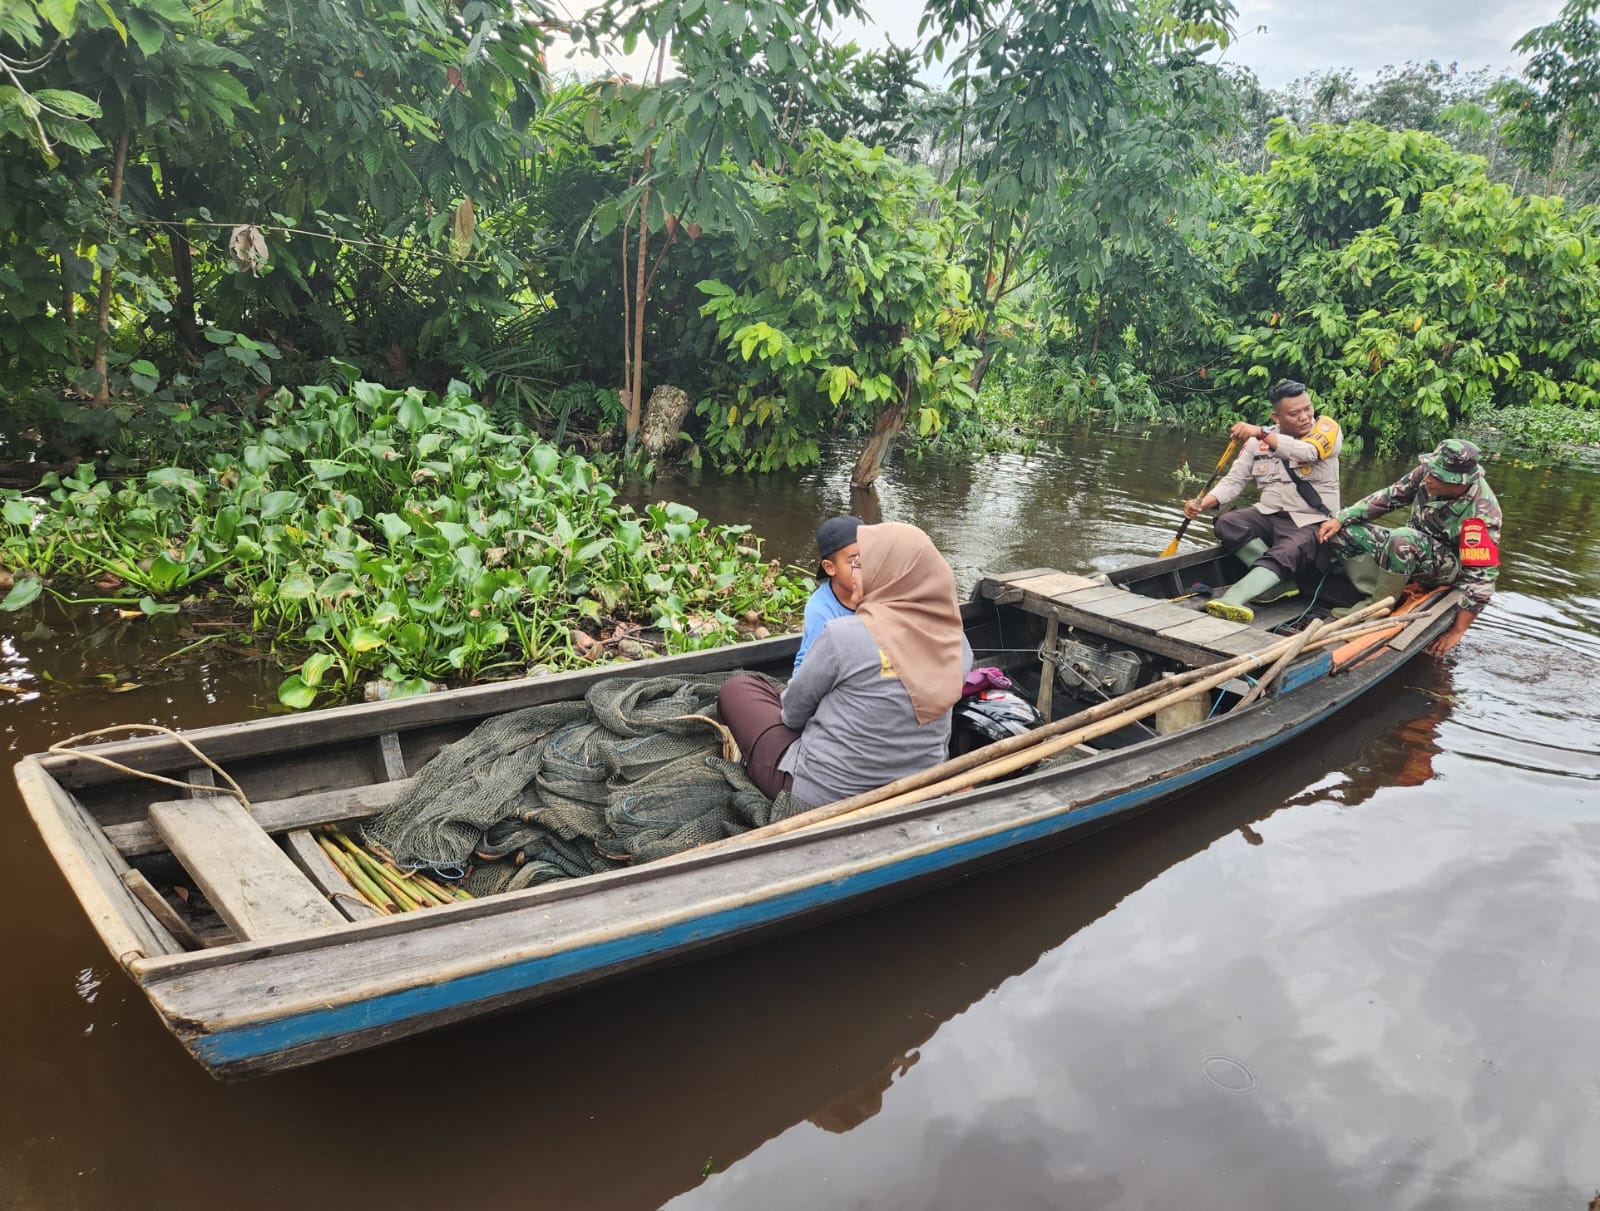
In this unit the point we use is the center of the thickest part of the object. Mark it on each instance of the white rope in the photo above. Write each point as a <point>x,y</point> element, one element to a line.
<point>65,748</point>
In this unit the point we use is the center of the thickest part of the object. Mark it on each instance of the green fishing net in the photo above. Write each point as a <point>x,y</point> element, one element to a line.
<point>637,770</point>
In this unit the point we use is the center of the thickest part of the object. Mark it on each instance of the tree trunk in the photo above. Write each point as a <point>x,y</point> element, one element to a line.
<point>69,314</point>
<point>893,418</point>
<point>183,310</point>
<point>625,392</point>
<point>980,368</point>
<point>636,385</point>
<point>633,397</point>
<point>102,393</point>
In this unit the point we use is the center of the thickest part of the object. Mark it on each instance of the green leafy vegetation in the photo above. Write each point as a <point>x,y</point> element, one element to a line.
<point>1409,290</point>
<point>843,306</point>
<point>381,531</point>
<point>210,212</point>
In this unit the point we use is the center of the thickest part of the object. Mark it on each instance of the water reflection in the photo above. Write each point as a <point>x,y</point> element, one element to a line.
<point>1391,929</point>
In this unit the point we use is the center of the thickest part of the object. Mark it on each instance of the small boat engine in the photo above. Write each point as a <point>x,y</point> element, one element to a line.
<point>1099,668</point>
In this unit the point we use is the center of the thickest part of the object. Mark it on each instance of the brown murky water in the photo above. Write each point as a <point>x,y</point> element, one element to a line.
<point>1364,975</point>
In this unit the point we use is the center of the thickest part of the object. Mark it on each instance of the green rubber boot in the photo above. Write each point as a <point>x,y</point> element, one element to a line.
<point>1374,582</point>
<point>1362,571</point>
<point>1258,584</point>
<point>1250,552</point>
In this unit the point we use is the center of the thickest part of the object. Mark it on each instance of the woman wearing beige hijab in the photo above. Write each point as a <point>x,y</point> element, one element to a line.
<point>871,703</point>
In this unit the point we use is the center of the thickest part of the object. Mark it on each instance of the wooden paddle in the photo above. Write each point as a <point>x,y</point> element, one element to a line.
<point>1227,457</point>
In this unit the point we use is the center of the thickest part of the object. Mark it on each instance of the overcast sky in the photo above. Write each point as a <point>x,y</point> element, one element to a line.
<point>1365,35</point>
<point>1281,40</point>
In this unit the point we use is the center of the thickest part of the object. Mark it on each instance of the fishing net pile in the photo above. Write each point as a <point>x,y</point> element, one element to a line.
<point>635,771</point>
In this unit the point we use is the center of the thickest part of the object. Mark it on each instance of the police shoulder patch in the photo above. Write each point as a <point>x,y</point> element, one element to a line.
<point>1324,435</point>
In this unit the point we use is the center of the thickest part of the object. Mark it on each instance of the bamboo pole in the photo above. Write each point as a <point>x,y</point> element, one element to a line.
<point>1283,662</point>
<point>403,891</point>
<point>395,887</point>
<point>442,892</point>
<point>1040,752</point>
<point>428,889</point>
<point>1160,694</point>
<point>1413,618</point>
<point>1049,748</point>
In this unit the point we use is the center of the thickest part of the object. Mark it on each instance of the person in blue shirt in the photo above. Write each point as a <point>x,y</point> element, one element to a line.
<point>836,596</point>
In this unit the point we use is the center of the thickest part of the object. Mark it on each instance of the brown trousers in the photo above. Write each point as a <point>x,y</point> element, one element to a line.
<point>750,707</point>
<point>1291,549</point>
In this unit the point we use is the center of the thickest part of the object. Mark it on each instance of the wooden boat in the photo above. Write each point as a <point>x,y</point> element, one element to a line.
<point>290,977</point>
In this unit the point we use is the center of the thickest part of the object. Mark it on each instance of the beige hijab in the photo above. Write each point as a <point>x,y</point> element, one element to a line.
<point>909,606</point>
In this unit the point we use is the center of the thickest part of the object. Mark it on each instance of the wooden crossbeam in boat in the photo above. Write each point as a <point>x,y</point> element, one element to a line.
<point>279,815</point>
<point>1235,638</point>
<point>1052,585</point>
<point>251,883</point>
<point>144,891</point>
<point>393,760</point>
<point>1122,604</point>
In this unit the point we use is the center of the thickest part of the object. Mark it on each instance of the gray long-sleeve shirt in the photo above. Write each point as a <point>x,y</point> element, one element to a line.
<point>1314,457</point>
<point>856,723</point>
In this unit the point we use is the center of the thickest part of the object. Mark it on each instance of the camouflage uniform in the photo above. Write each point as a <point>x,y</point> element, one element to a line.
<point>1429,547</point>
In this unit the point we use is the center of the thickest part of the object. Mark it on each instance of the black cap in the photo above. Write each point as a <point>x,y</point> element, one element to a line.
<point>832,535</point>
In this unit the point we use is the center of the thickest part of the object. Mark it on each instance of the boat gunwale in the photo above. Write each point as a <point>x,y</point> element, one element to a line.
<point>368,720</point>
<point>125,926</point>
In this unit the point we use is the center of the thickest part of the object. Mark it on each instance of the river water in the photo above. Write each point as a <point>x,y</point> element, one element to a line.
<point>1362,974</point>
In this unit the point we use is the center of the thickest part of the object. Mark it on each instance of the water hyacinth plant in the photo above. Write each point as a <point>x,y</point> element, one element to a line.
<point>380,531</point>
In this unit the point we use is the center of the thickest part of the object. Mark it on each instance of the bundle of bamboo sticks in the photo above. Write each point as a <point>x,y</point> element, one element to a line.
<point>383,885</point>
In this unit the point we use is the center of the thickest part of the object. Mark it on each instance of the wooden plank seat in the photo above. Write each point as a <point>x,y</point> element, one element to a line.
<point>250,882</point>
<point>1115,613</point>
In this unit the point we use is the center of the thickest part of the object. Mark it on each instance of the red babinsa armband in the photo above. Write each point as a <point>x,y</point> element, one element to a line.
<point>1478,549</point>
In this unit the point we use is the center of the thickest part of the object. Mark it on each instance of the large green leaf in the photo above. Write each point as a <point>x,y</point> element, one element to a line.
<point>294,692</point>
<point>19,512</point>
<point>62,14</point>
<point>147,32</point>
<point>23,593</point>
<point>365,639</point>
<point>276,504</point>
<point>316,667</point>
<point>71,104</point>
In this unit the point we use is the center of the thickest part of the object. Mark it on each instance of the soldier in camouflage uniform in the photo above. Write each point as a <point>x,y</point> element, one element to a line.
<point>1451,538</point>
